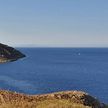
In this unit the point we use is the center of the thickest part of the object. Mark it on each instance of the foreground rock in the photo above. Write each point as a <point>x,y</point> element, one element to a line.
<point>68,99</point>
<point>9,54</point>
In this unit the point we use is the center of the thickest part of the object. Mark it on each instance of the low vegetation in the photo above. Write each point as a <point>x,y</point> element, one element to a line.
<point>69,99</point>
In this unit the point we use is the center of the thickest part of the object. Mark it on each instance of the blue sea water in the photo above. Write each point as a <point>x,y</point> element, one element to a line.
<point>46,70</point>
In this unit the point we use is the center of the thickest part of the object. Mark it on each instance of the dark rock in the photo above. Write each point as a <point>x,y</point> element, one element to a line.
<point>8,53</point>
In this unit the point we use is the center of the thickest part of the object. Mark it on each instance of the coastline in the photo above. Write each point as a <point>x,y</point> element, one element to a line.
<point>64,99</point>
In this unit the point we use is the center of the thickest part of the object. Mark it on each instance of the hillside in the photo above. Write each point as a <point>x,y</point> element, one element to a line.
<point>8,53</point>
<point>67,99</point>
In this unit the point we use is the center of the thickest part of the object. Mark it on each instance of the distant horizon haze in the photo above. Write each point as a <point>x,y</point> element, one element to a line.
<point>54,23</point>
<point>57,45</point>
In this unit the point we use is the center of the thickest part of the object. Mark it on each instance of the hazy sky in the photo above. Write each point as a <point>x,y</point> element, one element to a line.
<point>67,23</point>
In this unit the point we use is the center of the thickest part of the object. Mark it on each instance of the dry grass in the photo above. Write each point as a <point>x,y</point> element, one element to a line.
<point>43,104</point>
<point>59,104</point>
<point>72,99</point>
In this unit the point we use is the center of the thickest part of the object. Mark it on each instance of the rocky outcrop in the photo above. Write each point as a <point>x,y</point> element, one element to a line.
<point>67,99</point>
<point>78,97</point>
<point>8,53</point>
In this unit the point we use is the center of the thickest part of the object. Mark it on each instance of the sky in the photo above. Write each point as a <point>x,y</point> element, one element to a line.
<point>54,23</point>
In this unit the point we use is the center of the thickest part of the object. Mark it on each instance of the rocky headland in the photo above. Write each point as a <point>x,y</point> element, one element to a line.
<point>66,99</point>
<point>8,54</point>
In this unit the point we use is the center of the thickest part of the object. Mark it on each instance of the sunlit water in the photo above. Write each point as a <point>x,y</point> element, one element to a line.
<point>46,70</point>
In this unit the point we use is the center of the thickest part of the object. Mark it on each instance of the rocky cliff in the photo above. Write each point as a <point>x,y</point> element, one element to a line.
<point>8,53</point>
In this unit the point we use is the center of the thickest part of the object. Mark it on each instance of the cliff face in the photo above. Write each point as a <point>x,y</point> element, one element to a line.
<point>67,99</point>
<point>8,53</point>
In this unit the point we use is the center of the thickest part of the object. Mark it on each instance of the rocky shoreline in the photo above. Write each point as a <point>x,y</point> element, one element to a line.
<point>65,99</point>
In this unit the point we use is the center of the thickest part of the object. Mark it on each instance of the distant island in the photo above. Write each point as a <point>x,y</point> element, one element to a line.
<point>9,54</point>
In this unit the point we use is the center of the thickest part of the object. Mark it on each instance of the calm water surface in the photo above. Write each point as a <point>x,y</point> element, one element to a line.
<point>46,70</point>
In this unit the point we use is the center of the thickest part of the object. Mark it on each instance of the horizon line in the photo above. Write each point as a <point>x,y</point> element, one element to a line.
<point>59,47</point>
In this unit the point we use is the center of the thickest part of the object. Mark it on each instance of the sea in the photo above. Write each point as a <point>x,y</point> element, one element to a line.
<point>47,70</point>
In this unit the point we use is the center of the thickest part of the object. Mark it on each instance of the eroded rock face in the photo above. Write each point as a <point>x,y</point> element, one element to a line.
<point>8,53</point>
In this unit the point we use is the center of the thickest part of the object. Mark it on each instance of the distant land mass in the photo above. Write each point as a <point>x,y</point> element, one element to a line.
<point>9,54</point>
